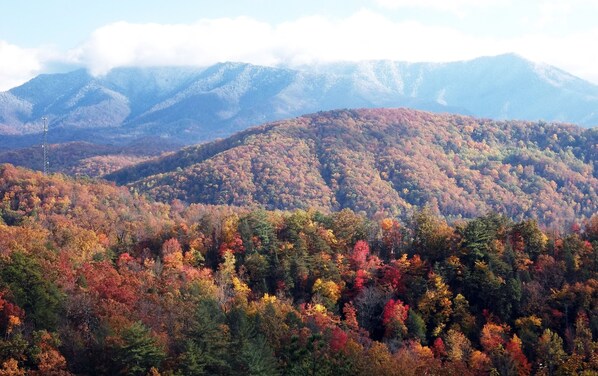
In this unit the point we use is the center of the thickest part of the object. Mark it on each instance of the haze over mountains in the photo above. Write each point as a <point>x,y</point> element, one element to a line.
<point>388,161</point>
<point>190,105</point>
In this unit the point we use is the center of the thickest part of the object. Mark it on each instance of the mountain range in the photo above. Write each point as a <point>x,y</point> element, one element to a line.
<point>387,161</point>
<point>191,105</point>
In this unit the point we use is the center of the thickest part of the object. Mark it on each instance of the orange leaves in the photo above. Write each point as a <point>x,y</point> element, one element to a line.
<point>493,336</point>
<point>480,363</point>
<point>391,235</point>
<point>172,254</point>
<point>49,360</point>
<point>11,316</point>
<point>11,368</point>
<point>13,322</point>
<point>351,316</point>
<point>513,348</point>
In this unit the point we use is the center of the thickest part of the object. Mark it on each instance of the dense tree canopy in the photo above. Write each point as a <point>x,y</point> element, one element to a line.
<point>390,162</point>
<point>97,281</point>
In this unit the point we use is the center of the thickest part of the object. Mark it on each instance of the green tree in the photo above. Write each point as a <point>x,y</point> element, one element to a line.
<point>431,236</point>
<point>251,353</point>
<point>31,290</point>
<point>416,326</point>
<point>550,352</point>
<point>139,351</point>
<point>208,342</point>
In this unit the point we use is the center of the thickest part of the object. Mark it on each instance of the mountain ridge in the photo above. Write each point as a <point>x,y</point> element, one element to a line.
<point>191,105</point>
<point>387,160</point>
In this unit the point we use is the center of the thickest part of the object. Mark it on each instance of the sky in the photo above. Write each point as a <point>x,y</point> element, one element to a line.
<point>47,36</point>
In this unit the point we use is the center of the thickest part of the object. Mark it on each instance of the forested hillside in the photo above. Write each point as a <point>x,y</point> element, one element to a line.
<point>87,159</point>
<point>388,162</point>
<point>95,280</point>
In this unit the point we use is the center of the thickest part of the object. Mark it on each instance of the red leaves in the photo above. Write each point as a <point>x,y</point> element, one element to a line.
<point>109,286</point>
<point>438,348</point>
<point>358,257</point>
<point>393,318</point>
<point>11,315</point>
<point>361,277</point>
<point>235,245</point>
<point>393,277</point>
<point>338,339</point>
<point>513,348</point>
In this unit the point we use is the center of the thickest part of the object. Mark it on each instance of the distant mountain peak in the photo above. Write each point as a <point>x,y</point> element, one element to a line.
<point>191,104</point>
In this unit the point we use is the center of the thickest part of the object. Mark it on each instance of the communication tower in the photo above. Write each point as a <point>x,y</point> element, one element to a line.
<point>45,145</point>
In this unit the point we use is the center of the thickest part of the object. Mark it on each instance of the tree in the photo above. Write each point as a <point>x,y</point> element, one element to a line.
<point>458,346</point>
<point>49,360</point>
<point>11,368</point>
<point>527,237</point>
<point>250,352</point>
<point>493,337</point>
<point>431,236</point>
<point>172,254</point>
<point>416,326</point>
<point>394,317</point>
<point>392,236</point>
<point>358,257</point>
<point>513,349</point>
<point>137,351</point>
<point>31,290</point>
<point>207,344</point>
<point>435,305</point>
<point>327,292</point>
<point>550,353</point>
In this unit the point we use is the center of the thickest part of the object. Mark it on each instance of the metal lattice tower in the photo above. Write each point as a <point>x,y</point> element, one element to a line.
<point>45,145</point>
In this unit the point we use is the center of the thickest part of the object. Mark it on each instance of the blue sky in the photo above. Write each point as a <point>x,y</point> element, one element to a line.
<point>48,35</point>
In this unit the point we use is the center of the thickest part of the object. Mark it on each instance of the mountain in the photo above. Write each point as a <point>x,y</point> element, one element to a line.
<point>389,161</point>
<point>191,105</point>
<point>87,159</point>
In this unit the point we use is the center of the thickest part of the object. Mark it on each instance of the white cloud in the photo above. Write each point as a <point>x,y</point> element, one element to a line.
<point>575,53</point>
<point>457,7</point>
<point>18,64</point>
<point>365,35</point>
<point>202,43</point>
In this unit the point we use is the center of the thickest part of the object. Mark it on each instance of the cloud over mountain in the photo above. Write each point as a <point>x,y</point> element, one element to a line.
<point>364,35</point>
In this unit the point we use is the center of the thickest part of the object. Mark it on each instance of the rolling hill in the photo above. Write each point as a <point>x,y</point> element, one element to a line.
<point>390,161</point>
<point>191,105</point>
<point>79,158</point>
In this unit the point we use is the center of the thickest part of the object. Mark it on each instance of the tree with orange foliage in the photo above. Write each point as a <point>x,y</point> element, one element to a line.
<point>513,349</point>
<point>392,237</point>
<point>493,336</point>
<point>11,368</point>
<point>49,360</point>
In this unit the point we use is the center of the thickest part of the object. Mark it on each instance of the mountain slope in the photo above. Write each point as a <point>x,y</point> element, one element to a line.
<point>190,105</point>
<point>84,158</point>
<point>387,160</point>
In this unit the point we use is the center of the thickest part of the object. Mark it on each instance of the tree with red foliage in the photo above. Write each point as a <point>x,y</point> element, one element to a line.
<point>394,317</point>
<point>514,350</point>
<point>359,255</point>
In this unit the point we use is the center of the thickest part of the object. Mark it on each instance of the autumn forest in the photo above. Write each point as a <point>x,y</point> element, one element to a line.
<point>97,279</point>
